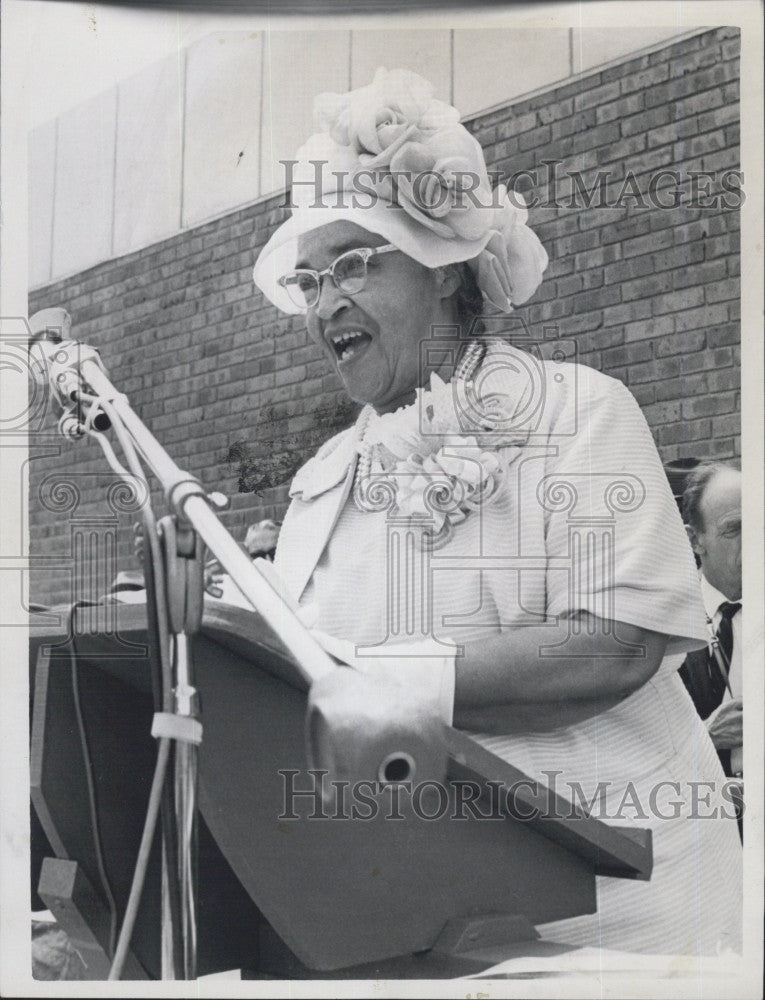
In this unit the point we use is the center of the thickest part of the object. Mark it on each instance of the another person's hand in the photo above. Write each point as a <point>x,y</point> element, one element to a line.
<point>138,542</point>
<point>726,725</point>
<point>213,578</point>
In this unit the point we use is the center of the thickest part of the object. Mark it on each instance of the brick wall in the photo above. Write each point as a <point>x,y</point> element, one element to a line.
<point>239,397</point>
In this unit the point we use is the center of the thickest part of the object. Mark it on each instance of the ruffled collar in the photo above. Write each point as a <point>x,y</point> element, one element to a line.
<point>331,463</point>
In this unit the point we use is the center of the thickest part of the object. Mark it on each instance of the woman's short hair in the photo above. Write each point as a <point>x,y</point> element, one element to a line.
<point>697,482</point>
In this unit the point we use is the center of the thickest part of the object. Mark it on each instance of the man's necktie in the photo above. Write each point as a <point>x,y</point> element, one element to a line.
<point>725,639</point>
<point>725,629</point>
<point>730,758</point>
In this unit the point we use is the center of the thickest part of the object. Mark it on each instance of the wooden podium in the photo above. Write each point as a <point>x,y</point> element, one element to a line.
<point>312,896</point>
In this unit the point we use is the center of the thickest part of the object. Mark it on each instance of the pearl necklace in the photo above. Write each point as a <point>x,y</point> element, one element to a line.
<point>465,370</point>
<point>470,361</point>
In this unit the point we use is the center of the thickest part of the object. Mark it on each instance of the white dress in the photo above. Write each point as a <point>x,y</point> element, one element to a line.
<point>584,519</point>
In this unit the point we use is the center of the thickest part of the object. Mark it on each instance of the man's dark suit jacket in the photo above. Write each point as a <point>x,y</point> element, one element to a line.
<point>706,687</point>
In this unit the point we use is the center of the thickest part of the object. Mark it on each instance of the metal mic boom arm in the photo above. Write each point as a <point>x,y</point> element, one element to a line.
<point>187,498</point>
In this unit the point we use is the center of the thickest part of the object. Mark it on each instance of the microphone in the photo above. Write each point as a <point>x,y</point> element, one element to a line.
<point>56,360</point>
<point>50,324</point>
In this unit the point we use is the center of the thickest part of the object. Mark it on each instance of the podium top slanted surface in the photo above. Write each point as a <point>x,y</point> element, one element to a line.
<point>117,632</point>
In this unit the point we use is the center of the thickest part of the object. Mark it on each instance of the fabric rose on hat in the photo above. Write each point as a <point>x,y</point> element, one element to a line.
<point>377,119</point>
<point>413,151</point>
<point>397,161</point>
<point>442,183</point>
<point>509,268</point>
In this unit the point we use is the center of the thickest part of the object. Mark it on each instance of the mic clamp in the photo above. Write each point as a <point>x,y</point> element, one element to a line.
<point>59,365</point>
<point>57,361</point>
<point>69,426</point>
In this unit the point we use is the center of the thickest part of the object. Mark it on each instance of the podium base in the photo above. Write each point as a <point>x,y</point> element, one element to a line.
<point>277,962</point>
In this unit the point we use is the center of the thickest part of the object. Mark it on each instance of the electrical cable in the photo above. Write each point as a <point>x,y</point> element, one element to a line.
<point>109,452</point>
<point>155,577</point>
<point>89,779</point>
<point>180,883</point>
<point>136,888</point>
<point>150,534</point>
<point>155,592</point>
<point>167,806</point>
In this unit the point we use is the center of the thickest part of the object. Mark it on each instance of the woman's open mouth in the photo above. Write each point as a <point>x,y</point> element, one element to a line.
<point>349,343</point>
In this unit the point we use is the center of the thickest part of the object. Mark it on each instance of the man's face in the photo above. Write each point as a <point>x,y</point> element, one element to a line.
<point>718,544</point>
<point>394,312</point>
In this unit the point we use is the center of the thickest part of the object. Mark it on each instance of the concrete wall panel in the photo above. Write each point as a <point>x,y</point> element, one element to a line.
<point>82,227</point>
<point>223,107</point>
<point>425,52</point>
<point>42,166</point>
<point>492,66</point>
<point>204,131</point>
<point>298,66</point>
<point>593,46</point>
<point>147,204</point>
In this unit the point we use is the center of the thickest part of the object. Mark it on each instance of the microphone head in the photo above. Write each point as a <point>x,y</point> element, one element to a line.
<point>101,422</point>
<point>53,324</point>
<point>47,327</point>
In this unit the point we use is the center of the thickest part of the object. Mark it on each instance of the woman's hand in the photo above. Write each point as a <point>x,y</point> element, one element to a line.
<point>422,671</point>
<point>535,678</point>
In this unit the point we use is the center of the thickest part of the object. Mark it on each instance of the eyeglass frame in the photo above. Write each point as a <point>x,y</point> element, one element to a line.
<point>365,252</point>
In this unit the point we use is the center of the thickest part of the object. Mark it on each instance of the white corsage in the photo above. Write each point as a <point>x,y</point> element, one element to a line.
<point>421,462</point>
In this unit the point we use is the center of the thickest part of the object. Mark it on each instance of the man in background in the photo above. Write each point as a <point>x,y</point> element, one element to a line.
<point>260,543</point>
<point>713,677</point>
<point>261,539</point>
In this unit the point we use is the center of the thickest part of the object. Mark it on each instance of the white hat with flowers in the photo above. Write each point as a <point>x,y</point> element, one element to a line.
<point>396,161</point>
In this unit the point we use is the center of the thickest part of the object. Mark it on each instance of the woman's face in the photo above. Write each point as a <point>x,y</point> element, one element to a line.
<point>395,311</point>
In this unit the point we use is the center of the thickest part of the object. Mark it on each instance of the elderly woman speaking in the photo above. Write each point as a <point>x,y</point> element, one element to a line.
<point>500,522</point>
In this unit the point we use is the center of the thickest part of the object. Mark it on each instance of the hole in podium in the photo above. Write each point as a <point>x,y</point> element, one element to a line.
<point>397,767</point>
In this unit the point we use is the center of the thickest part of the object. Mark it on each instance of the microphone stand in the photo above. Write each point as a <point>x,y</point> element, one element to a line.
<point>183,566</point>
<point>192,522</point>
